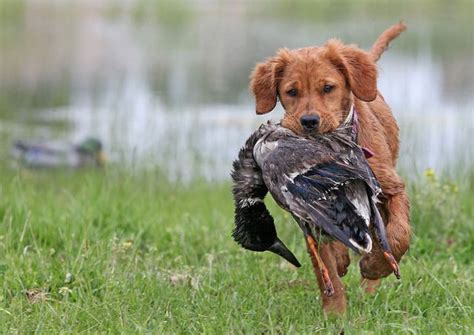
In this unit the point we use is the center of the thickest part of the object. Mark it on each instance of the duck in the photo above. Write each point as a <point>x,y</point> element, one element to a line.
<point>324,181</point>
<point>34,154</point>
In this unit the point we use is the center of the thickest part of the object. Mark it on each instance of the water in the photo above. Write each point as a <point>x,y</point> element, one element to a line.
<point>172,90</point>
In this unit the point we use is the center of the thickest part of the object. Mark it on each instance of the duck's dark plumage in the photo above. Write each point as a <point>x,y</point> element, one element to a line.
<point>249,190</point>
<point>324,181</point>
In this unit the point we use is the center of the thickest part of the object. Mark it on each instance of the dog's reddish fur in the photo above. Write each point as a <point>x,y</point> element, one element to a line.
<point>352,74</point>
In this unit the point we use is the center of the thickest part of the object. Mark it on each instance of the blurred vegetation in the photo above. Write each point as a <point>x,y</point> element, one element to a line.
<point>424,14</point>
<point>321,11</point>
<point>179,61</point>
<point>12,15</point>
<point>172,13</point>
<point>451,43</point>
<point>168,13</point>
<point>11,12</point>
<point>14,101</point>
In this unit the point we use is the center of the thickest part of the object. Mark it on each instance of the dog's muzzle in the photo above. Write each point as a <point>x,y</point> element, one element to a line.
<point>310,122</point>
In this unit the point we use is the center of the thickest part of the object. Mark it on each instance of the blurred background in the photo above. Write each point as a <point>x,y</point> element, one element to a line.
<point>165,83</point>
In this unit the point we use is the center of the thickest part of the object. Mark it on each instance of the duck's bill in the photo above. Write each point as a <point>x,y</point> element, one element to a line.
<point>280,249</point>
<point>393,263</point>
<point>101,158</point>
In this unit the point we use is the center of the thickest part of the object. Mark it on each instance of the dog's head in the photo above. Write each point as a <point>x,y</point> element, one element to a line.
<point>315,85</point>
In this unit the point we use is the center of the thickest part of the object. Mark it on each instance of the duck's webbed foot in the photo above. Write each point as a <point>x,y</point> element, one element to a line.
<point>393,263</point>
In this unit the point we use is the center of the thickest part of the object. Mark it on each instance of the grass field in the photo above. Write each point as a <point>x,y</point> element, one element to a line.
<point>122,252</point>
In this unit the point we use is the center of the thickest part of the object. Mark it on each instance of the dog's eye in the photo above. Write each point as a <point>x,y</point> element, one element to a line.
<point>292,92</point>
<point>328,88</point>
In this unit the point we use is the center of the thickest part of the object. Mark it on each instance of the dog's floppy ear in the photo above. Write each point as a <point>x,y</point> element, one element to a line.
<point>357,66</point>
<point>264,80</point>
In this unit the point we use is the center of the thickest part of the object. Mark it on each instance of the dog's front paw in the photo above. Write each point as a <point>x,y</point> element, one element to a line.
<point>374,266</point>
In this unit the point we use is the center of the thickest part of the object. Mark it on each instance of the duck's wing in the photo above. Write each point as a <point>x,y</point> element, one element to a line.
<point>329,187</point>
<point>22,146</point>
<point>341,211</point>
<point>333,159</point>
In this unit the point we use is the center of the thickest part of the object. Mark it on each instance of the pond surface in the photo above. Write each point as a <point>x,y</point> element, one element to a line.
<point>165,83</point>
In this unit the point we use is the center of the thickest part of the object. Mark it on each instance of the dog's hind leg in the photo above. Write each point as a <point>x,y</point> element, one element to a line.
<point>341,253</point>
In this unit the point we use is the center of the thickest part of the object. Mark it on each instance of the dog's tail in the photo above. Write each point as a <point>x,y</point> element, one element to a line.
<point>381,44</point>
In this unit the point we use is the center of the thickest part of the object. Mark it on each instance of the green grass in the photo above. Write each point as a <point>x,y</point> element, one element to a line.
<point>124,252</point>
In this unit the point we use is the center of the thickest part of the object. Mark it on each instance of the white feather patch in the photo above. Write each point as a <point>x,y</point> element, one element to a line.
<point>363,250</point>
<point>249,202</point>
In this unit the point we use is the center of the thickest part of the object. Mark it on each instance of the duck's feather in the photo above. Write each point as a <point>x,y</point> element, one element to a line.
<point>326,183</point>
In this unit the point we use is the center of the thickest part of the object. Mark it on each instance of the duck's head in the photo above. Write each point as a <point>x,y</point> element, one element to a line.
<point>94,148</point>
<point>256,231</point>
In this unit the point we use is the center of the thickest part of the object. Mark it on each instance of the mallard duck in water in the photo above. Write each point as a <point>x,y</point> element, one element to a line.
<point>48,155</point>
<point>324,181</point>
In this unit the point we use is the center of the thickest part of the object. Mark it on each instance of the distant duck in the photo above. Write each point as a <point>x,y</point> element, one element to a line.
<point>50,155</point>
<point>324,181</point>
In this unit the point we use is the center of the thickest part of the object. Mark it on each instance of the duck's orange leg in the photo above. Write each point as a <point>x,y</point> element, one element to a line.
<point>319,265</point>
<point>333,296</point>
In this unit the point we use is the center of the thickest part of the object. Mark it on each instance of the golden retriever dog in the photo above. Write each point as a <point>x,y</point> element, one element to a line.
<point>317,87</point>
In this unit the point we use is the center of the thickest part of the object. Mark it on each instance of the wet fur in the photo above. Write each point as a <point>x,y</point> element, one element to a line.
<point>353,73</point>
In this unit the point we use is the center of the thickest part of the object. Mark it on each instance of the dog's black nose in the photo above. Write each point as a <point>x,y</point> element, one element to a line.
<point>310,122</point>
